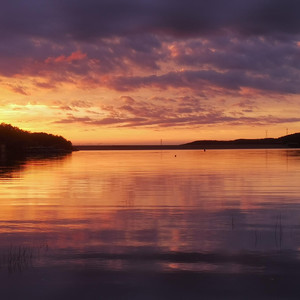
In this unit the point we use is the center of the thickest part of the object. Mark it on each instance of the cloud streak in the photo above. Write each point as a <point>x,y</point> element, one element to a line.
<point>180,112</point>
<point>232,80</point>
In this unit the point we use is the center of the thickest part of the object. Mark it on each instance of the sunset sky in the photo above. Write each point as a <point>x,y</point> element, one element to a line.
<point>138,71</point>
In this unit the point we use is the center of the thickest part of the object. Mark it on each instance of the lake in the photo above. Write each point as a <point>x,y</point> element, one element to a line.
<point>169,224</point>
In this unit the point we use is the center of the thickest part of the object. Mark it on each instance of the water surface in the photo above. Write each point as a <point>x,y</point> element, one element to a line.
<point>152,225</point>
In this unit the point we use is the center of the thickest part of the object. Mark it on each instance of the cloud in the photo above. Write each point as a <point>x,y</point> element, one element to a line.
<point>229,62</point>
<point>127,100</point>
<point>190,53</point>
<point>74,56</point>
<point>81,104</point>
<point>84,64</point>
<point>185,112</point>
<point>200,79</point>
<point>234,52</point>
<point>90,19</point>
<point>18,89</point>
<point>104,121</point>
<point>73,119</point>
<point>132,44</point>
<point>192,121</point>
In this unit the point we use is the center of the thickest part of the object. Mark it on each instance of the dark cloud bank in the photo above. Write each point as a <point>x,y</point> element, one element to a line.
<point>78,19</point>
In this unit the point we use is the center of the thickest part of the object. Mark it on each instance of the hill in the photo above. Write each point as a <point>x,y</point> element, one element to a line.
<point>18,141</point>
<point>288,141</point>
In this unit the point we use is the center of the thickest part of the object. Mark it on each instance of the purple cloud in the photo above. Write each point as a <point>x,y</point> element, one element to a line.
<point>90,19</point>
<point>127,45</point>
<point>199,79</point>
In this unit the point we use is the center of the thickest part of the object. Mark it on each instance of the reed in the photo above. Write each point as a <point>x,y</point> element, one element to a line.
<point>21,257</point>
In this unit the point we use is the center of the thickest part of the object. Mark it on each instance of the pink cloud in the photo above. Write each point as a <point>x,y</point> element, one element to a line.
<point>74,56</point>
<point>18,89</point>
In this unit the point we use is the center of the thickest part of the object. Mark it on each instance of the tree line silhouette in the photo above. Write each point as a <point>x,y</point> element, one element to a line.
<point>16,140</point>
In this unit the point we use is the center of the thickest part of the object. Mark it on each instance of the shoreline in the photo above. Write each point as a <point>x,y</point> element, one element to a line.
<point>177,147</point>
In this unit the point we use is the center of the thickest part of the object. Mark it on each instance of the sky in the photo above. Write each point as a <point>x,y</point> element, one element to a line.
<point>142,71</point>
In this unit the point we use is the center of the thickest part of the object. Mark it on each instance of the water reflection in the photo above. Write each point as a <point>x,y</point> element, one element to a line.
<point>12,165</point>
<point>151,213</point>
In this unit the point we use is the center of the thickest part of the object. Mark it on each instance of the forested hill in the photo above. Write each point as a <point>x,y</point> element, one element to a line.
<point>13,139</point>
<point>291,140</point>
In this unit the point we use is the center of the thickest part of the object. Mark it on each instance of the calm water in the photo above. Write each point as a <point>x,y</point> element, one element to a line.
<point>151,225</point>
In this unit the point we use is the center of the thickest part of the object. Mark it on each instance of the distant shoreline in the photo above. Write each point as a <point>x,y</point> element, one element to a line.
<point>175,147</point>
<point>284,142</point>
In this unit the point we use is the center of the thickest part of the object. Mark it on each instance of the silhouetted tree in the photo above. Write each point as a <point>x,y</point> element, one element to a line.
<point>18,140</point>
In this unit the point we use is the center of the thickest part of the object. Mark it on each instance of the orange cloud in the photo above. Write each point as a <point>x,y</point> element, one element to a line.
<point>74,56</point>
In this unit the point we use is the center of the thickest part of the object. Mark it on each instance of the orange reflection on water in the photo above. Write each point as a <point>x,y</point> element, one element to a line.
<point>169,200</point>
